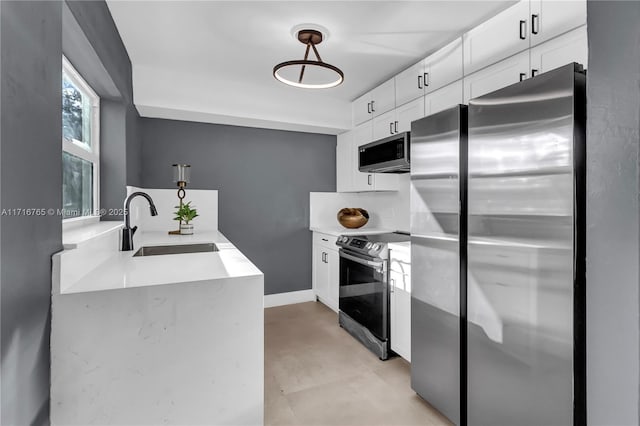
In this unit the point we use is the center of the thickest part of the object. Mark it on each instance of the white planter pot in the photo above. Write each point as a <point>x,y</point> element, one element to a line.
<point>186,229</point>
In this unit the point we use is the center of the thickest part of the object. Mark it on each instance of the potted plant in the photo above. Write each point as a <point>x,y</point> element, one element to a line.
<point>185,214</point>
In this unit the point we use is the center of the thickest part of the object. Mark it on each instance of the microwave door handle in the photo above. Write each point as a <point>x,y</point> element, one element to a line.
<point>377,265</point>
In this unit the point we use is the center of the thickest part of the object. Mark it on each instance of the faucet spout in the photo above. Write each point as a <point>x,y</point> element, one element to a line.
<point>128,231</point>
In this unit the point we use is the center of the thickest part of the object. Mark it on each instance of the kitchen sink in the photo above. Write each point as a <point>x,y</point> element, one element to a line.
<point>177,249</point>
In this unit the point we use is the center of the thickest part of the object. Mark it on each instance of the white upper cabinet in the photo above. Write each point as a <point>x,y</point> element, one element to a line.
<point>550,18</point>
<point>383,98</point>
<point>501,36</point>
<point>444,66</point>
<point>398,120</point>
<point>569,47</point>
<point>384,125</point>
<point>361,109</point>
<point>363,134</point>
<point>344,162</point>
<point>407,113</point>
<point>436,71</point>
<point>502,74</point>
<point>374,103</point>
<point>410,84</point>
<point>444,98</point>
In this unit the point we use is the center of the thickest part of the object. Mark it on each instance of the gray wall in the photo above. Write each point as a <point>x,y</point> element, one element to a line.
<point>30,177</point>
<point>264,178</point>
<point>613,239</point>
<point>93,45</point>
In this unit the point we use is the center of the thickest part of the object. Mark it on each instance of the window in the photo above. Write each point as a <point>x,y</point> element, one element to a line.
<point>80,145</point>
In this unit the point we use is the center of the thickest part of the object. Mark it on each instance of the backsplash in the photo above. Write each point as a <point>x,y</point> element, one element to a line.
<point>205,201</point>
<point>386,209</point>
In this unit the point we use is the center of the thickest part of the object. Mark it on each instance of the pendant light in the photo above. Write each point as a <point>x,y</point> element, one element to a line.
<point>310,38</point>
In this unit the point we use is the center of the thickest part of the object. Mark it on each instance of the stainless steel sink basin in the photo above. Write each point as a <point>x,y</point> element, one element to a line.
<point>177,249</point>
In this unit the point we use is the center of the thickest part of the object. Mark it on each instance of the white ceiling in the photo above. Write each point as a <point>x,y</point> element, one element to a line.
<point>212,61</point>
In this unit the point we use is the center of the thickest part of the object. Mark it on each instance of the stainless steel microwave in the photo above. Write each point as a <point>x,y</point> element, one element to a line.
<point>388,155</point>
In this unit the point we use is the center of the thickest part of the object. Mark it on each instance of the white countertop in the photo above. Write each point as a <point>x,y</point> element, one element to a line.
<point>122,270</point>
<point>75,236</point>
<point>339,230</point>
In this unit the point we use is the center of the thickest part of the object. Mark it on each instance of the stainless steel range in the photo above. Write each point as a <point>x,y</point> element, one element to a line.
<point>364,288</point>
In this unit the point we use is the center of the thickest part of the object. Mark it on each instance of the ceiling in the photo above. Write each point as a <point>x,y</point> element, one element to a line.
<point>212,61</point>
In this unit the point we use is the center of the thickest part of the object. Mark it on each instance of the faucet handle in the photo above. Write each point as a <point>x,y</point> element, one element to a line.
<point>133,230</point>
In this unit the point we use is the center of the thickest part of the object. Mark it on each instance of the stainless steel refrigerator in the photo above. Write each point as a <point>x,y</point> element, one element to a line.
<point>438,242</point>
<point>526,252</point>
<point>522,355</point>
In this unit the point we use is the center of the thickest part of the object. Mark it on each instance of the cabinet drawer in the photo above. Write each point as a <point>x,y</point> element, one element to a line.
<point>325,240</point>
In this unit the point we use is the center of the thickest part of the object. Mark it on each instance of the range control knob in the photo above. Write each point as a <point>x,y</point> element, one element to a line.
<point>368,246</point>
<point>376,247</point>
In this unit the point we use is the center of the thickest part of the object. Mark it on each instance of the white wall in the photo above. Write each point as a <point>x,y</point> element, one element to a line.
<point>205,201</point>
<point>389,210</point>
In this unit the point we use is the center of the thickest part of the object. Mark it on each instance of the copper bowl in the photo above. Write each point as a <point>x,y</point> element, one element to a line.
<point>353,218</point>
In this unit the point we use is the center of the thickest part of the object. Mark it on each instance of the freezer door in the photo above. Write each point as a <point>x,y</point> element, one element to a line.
<point>435,259</point>
<point>520,310</point>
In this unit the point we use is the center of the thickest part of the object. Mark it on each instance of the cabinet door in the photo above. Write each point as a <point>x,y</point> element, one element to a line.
<point>361,109</point>
<point>410,84</point>
<point>384,125</point>
<point>320,272</point>
<point>550,18</point>
<point>446,97</point>
<point>500,37</point>
<point>362,134</point>
<point>400,317</point>
<point>569,47</point>
<point>444,66</point>
<point>407,113</point>
<point>383,98</point>
<point>333,279</point>
<point>497,76</point>
<point>344,162</point>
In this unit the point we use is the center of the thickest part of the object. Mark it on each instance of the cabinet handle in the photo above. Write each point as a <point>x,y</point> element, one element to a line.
<point>395,125</point>
<point>391,128</point>
<point>324,239</point>
<point>419,82</point>
<point>324,257</point>
<point>522,76</point>
<point>535,24</point>
<point>393,284</point>
<point>372,109</point>
<point>534,72</point>
<point>426,79</point>
<point>369,180</point>
<point>523,30</point>
<point>368,107</point>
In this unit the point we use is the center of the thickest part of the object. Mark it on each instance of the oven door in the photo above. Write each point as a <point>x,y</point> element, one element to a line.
<point>364,292</point>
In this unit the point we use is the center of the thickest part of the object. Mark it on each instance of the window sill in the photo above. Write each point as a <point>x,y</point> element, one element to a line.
<point>80,230</point>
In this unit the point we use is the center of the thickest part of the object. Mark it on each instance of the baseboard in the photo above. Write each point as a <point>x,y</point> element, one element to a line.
<point>289,298</point>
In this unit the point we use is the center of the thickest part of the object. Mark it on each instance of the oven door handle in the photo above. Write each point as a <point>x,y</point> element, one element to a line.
<point>377,265</point>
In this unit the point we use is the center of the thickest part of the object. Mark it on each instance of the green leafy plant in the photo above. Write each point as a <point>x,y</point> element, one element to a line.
<point>185,213</point>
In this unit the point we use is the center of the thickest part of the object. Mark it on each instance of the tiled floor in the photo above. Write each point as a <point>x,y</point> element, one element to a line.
<point>317,374</point>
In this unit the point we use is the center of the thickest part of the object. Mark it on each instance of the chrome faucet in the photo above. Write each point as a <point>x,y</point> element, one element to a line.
<point>128,231</point>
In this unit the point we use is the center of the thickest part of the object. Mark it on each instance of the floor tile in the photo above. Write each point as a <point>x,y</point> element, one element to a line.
<point>318,374</point>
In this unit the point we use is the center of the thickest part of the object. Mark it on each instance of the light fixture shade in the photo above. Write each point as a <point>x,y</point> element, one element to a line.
<point>181,173</point>
<point>287,72</point>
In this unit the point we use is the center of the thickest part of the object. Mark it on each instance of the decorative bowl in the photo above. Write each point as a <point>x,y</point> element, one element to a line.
<point>353,217</point>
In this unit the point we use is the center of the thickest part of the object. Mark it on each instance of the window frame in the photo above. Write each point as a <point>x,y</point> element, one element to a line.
<point>78,148</point>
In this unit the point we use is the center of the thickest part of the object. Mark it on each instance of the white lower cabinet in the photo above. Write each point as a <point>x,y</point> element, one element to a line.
<point>400,287</point>
<point>326,269</point>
